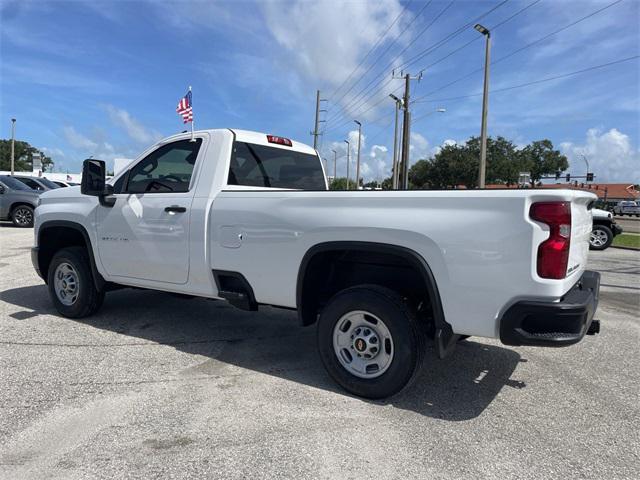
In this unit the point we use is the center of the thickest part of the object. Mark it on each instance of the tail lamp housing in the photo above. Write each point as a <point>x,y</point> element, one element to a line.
<point>553,253</point>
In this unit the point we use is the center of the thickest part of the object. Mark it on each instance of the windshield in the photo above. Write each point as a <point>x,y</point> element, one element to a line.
<point>14,184</point>
<point>47,183</point>
<point>262,166</point>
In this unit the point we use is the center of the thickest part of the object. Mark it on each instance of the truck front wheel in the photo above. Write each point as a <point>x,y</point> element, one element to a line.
<point>370,341</point>
<point>601,237</point>
<point>71,285</point>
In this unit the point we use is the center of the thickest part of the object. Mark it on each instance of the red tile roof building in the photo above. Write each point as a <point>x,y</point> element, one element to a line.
<point>605,191</point>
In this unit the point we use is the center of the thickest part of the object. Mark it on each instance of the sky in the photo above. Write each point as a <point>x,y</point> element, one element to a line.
<point>102,79</point>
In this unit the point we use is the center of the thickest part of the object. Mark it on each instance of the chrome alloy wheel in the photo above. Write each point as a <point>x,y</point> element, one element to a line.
<point>598,238</point>
<point>66,284</point>
<point>23,216</point>
<point>363,344</point>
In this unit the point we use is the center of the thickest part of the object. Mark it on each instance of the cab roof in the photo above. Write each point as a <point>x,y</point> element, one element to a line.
<point>258,138</point>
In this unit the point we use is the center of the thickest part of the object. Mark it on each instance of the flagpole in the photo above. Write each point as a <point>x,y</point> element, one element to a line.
<point>192,133</point>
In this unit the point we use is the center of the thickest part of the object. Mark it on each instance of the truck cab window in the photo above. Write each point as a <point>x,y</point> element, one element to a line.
<point>168,169</point>
<point>262,166</point>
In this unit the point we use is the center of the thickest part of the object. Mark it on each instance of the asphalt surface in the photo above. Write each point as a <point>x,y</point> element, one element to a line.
<point>156,386</point>
<point>628,224</point>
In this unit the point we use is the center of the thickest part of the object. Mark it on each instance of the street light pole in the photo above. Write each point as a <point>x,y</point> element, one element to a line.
<point>358,159</point>
<point>348,161</point>
<point>335,161</point>
<point>13,145</point>
<point>485,105</point>
<point>394,168</point>
<point>584,157</point>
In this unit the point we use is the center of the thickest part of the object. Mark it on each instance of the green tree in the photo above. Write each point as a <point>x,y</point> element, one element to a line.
<point>387,183</point>
<point>503,161</point>
<point>23,156</point>
<point>539,158</point>
<point>340,183</point>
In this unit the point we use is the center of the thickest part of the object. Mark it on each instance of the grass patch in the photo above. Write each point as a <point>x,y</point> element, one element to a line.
<point>627,240</point>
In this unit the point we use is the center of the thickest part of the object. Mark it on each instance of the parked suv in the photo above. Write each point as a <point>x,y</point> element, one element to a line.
<point>604,229</point>
<point>37,183</point>
<point>627,207</point>
<point>17,201</point>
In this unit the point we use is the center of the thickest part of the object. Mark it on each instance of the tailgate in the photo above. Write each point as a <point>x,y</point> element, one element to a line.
<point>581,225</point>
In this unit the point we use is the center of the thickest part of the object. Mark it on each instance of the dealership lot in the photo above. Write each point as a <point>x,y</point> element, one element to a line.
<point>156,386</point>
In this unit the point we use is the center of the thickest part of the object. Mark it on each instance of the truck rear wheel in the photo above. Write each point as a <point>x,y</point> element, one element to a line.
<point>71,284</point>
<point>601,237</point>
<point>370,341</point>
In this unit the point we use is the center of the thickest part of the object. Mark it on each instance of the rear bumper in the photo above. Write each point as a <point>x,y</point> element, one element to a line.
<point>554,324</point>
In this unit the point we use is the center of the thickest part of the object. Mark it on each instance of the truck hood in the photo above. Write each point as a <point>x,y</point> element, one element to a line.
<point>67,192</point>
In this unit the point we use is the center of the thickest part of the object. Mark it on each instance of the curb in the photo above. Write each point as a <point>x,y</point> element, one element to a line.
<point>626,248</point>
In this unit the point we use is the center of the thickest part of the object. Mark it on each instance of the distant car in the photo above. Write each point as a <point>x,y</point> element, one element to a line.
<point>17,201</point>
<point>60,183</point>
<point>627,207</point>
<point>604,230</point>
<point>37,183</point>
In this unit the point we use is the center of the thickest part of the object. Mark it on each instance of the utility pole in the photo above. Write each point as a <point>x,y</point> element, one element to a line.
<point>394,168</point>
<point>348,148</point>
<point>403,182</point>
<point>13,145</point>
<point>316,132</point>
<point>485,105</point>
<point>335,161</point>
<point>358,160</point>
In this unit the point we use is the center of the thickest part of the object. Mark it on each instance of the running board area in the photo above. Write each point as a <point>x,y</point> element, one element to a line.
<point>234,288</point>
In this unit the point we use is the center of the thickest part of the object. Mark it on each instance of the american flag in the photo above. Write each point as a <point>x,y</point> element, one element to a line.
<point>184,108</point>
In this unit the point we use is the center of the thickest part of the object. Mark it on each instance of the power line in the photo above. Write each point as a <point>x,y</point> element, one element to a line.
<point>344,108</point>
<point>476,37</point>
<point>364,111</point>
<point>452,35</point>
<point>359,102</point>
<point>533,82</point>
<point>518,50</point>
<point>356,98</point>
<point>372,49</point>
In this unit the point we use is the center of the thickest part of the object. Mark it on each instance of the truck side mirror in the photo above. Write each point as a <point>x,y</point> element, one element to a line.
<point>93,177</point>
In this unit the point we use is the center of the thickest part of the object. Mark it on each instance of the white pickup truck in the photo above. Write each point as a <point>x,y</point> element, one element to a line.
<point>247,217</point>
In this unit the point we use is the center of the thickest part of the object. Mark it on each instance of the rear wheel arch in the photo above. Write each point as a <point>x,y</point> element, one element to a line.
<point>55,235</point>
<point>323,260</point>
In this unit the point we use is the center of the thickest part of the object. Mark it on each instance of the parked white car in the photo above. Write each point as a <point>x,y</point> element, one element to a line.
<point>247,217</point>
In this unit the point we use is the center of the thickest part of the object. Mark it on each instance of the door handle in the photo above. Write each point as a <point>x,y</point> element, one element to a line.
<point>175,209</point>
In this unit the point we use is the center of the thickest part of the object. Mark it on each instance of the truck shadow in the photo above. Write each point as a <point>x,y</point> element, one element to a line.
<point>271,342</point>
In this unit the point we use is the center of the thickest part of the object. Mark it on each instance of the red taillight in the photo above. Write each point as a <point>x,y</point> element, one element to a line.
<point>553,253</point>
<point>279,140</point>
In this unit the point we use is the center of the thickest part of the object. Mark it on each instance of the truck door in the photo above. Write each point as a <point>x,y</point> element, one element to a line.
<point>145,234</point>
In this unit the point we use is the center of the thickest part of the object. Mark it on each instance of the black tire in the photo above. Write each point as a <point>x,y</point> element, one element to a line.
<point>22,216</point>
<point>408,334</point>
<point>89,299</point>
<point>601,230</point>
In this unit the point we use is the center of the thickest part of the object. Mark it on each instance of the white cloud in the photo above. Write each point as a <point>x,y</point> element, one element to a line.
<point>132,127</point>
<point>79,141</point>
<point>326,40</point>
<point>419,148</point>
<point>610,154</point>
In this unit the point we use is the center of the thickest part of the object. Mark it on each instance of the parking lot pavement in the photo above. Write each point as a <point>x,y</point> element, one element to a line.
<point>628,224</point>
<point>156,386</point>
